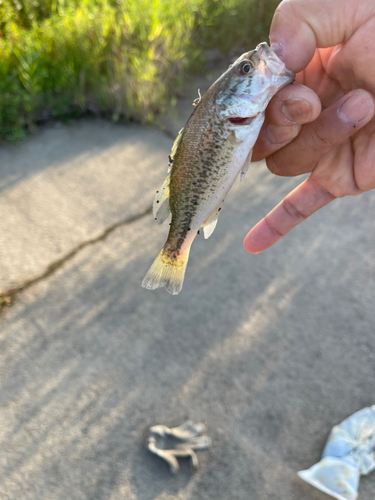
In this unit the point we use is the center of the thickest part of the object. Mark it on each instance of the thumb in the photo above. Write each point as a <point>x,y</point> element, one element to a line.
<point>300,26</point>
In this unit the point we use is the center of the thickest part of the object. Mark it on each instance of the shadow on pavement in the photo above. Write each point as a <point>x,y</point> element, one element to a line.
<point>270,351</point>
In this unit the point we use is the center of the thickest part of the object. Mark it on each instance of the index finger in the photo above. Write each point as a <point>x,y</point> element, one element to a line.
<point>302,202</point>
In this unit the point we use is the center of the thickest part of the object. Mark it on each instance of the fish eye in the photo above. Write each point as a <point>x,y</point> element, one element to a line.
<point>246,67</point>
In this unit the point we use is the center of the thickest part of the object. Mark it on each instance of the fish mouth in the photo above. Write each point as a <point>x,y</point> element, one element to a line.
<point>241,120</point>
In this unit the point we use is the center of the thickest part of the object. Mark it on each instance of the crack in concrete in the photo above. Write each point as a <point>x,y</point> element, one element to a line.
<point>8,296</point>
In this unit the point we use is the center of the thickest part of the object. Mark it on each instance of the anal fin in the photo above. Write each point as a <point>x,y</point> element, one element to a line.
<point>210,223</point>
<point>160,207</point>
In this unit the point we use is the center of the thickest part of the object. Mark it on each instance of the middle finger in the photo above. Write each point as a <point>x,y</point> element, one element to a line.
<point>333,126</point>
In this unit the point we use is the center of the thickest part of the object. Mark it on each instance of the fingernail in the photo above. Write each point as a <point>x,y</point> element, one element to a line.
<point>280,135</point>
<point>356,108</point>
<point>297,110</point>
<point>277,48</point>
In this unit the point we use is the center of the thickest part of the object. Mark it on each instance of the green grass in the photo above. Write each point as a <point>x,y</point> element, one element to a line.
<point>120,58</point>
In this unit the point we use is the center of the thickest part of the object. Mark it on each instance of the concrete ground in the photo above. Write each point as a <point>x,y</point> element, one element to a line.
<point>269,351</point>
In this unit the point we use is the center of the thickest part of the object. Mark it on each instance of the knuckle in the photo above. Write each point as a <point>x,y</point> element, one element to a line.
<point>318,141</point>
<point>280,136</point>
<point>364,179</point>
<point>292,211</point>
<point>292,9</point>
<point>287,163</point>
<point>362,187</point>
<point>344,186</point>
<point>272,166</point>
<point>272,228</point>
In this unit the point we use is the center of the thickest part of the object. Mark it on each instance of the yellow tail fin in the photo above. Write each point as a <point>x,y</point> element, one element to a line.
<point>167,272</point>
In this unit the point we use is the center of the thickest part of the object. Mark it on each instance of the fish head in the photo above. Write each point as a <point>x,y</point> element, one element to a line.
<point>245,89</point>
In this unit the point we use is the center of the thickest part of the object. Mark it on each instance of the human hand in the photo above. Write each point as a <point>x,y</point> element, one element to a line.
<point>330,45</point>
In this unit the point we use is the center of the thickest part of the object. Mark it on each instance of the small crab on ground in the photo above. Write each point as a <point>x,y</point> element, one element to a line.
<point>178,442</point>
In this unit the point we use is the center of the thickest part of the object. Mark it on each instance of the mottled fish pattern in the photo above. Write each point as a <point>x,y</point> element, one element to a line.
<point>210,151</point>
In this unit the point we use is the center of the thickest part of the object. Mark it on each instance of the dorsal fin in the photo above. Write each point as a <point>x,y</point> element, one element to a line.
<point>160,207</point>
<point>174,149</point>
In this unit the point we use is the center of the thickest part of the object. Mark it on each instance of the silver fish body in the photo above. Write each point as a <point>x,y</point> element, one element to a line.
<point>210,151</point>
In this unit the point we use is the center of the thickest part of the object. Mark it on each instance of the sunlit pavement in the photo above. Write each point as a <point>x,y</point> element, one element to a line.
<point>269,351</point>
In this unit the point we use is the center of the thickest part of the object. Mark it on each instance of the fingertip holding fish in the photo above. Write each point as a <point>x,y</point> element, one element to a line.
<point>278,49</point>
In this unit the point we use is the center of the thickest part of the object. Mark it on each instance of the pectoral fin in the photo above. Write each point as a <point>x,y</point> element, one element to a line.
<point>210,224</point>
<point>246,165</point>
<point>160,207</point>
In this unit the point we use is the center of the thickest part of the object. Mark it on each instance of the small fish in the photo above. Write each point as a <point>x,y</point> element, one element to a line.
<point>215,145</point>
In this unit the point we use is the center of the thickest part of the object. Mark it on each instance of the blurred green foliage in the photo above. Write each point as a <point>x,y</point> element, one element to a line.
<point>118,57</point>
<point>235,24</point>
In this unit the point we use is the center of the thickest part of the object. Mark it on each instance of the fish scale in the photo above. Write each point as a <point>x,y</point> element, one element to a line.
<point>210,151</point>
<point>197,174</point>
